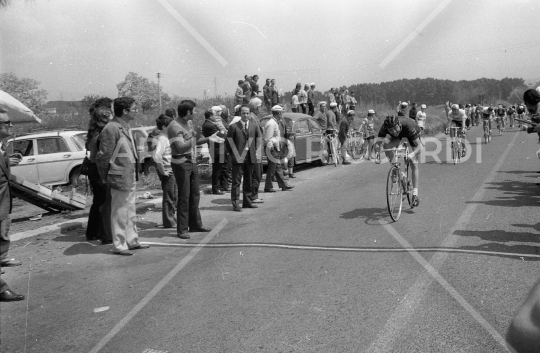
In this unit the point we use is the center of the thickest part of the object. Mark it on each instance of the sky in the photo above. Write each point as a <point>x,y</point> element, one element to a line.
<point>82,47</point>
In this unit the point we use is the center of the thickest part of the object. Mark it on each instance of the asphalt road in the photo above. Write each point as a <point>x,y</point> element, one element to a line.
<point>319,269</point>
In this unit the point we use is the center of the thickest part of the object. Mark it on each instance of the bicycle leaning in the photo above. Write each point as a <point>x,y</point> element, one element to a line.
<point>356,145</point>
<point>398,182</point>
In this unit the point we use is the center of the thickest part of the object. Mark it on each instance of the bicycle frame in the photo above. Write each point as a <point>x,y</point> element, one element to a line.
<point>397,184</point>
<point>456,143</point>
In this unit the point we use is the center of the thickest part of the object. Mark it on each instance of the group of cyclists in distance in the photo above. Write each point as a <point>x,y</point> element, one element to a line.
<point>411,126</point>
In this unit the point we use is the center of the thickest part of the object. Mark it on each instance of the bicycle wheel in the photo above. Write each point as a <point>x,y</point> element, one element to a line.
<point>408,190</point>
<point>394,192</point>
<point>460,149</point>
<point>351,148</point>
<point>454,151</point>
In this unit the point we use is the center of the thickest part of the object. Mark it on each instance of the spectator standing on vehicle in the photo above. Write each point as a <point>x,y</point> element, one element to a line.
<point>275,138</point>
<point>331,96</point>
<point>217,151</point>
<point>303,98</point>
<point>117,164</point>
<point>99,219</point>
<point>254,86</point>
<point>246,90</point>
<point>267,95</point>
<point>295,103</point>
<point>311,99</point>
<point>343,134</point>
<point>353,103</point>
<point>275,92</point>
<point>242,139</point>
<point>183,142</point>
<point>162,157</point>
<point>239,94</point>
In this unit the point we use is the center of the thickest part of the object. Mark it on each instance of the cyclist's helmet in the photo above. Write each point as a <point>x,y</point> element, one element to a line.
<point>391,121</point>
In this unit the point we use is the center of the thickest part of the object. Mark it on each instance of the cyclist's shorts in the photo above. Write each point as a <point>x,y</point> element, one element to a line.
<point>458,123</point>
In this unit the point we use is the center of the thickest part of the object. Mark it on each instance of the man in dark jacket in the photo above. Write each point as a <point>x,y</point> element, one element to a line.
<point>412,112</point>
<point>217,153</point>
<point>6,295</point>
<point>243,140</point>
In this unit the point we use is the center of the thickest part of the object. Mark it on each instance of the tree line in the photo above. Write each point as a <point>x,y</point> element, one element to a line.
<point>433,91</point>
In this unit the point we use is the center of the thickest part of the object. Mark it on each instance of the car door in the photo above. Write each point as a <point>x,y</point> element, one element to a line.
<point>302,139</point>
<point>316,133</point>
<point>27,168</point>
<point>53,159</point>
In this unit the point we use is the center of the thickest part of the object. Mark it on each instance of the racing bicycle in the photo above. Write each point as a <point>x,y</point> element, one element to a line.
<point>487,131</point>
<point>332,141</point>
<point>356,146</point>
<point>398,182</point>
<point>458,148</point>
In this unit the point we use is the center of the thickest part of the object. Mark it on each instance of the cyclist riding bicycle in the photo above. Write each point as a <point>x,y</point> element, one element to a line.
<point>487,117</point>
<point>500,116</point>
<point>457,118</point>
<point>510,112</point>
<point>392,131</point>
<point>520,112</point>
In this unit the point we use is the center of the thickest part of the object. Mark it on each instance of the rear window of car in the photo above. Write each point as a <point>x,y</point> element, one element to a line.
<point>79,140</point>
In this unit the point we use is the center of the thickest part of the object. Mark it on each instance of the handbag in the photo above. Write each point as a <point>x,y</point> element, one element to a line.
<point>85,166</point>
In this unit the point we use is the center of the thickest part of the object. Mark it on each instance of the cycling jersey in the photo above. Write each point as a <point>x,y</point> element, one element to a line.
<point>521,109</point>
<point>510,111</point>
<point>421,117</point>
<point>409,130</point>
<point>501,111</point>
<point>460,116</point>
<point>370,127</point>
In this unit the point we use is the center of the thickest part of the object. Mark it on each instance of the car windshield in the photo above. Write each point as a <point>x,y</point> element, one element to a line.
<point>80,140</point>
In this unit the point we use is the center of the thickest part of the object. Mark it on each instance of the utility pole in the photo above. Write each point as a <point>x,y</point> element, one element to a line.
<point>159,91</point>
<point>215,87</point>
<point>204,92</point>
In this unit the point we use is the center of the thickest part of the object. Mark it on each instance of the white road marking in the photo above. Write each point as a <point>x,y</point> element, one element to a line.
<point>119,326</point>
<point>337,248</point>
<point>402,314</point>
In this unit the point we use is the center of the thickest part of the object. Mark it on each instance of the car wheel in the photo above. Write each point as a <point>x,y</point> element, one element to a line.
<point>75,177</point>
<point>323,153</point>
<point>149,167</point>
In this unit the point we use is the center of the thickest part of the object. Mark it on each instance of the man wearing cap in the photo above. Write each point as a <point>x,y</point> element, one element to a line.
<point>275,136</point>
<point>311,99</point>
<point>402,108</point>
<point>344,126</point>
<point>421,117</point>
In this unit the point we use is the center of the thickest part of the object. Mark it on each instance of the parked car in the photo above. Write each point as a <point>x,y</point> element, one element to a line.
<point>307,138</point>
<point>145,148</point>
<point>49,158</point>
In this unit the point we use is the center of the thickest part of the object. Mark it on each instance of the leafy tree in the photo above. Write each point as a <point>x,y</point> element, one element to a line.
<point>145,92</point>
<point>25,90</point>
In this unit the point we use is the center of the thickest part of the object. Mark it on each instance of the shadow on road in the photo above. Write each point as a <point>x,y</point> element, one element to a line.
<point>497,239</point>
<point>88,249</point>
<point>515,194</point>
<point>371,215</point>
